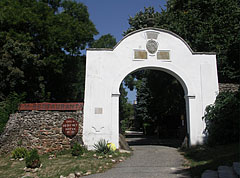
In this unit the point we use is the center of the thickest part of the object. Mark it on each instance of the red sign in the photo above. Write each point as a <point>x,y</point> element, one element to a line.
<point>70,127</point>
<point>51,107</point>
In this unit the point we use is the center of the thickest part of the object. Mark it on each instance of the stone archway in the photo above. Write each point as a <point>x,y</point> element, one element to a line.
<point>149,48</point>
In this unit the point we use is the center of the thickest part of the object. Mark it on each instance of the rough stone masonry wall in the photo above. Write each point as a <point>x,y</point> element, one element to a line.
<point>228,87</point>
<point>39,129</point>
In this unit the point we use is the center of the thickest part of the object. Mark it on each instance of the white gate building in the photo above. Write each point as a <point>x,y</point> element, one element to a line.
<point>149,48</point>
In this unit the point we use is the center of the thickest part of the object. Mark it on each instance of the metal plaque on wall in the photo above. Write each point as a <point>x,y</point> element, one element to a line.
<point>70,127</point>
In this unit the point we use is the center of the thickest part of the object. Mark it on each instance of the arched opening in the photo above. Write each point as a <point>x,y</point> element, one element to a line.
<point>106,69</point>
<point>159,114</point>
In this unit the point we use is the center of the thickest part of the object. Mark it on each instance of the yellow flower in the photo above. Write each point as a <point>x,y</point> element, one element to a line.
<point>112,146</point>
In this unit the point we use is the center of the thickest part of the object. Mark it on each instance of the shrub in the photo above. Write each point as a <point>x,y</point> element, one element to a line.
<point>32,159</point>
<point>222,119</point>
<point>7,107</point>
<point>78,149</point>
<point>123,126</point>
<point>102,147</point>
<point>19,152</point>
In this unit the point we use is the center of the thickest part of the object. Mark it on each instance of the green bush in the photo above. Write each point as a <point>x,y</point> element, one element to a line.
<point>78,149</point>
<point>19,152</point>
<point>7,107</point>
<point>223,119</point>
<point>123,126</point>
<point>102,147</point>
<point>148,128</point>
<point>32,159</point>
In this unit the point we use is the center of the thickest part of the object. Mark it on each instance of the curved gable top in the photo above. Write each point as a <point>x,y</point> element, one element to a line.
<point>154,29</point>
<point>154,49</point>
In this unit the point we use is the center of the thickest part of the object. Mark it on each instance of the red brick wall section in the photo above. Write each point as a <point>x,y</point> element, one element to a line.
<point>51,107</point>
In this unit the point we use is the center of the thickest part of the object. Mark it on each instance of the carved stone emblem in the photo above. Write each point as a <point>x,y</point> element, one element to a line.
<point>152,46</point>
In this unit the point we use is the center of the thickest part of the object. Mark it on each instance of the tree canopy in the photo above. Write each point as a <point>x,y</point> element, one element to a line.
<point>41,43</point>
<point>160,100</point>
<point>105,41</point>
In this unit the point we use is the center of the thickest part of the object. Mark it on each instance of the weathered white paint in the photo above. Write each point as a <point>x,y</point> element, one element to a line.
<point>106,68</point>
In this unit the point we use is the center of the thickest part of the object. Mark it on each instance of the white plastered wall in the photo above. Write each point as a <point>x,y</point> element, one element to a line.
<point>106,68</point>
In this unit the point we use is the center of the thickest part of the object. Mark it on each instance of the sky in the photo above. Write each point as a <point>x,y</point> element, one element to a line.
<point>111,16</point>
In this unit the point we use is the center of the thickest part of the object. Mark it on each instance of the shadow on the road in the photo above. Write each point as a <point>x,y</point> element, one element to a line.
<point>138,139</point>
<point>182,173</point>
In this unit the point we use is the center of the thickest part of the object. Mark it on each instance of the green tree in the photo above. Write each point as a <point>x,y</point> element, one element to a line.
<point>143,19</point>
<point>126,110</point>
<point>16,58</point>
<point>41,43</point>
<point>160,100</point>
<point>105,41</point>
<point>167,95</point>
<point>222,119</point>
<point>167,103</point>
<point>142,107</point>
<point>7,107</point>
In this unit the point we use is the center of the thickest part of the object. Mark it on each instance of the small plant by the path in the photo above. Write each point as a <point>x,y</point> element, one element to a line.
<point>33,159</point>
<point>19,152</point>
<point>102,147</point>
<point>78,149</point>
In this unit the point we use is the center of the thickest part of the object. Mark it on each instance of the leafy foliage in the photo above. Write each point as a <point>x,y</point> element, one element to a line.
<point>105,41</point>
<point>222,119</point>
<point>32,159</point>
<point>159,101</point>
<point>78,149</point>
<point>102,147</point>
<point>142,107</point>
<point>41,43</point>
<point>8,107</point>
<point>19,152</point>
<point>126,110</point>
<point>143,19</point>
<point>167,96</point>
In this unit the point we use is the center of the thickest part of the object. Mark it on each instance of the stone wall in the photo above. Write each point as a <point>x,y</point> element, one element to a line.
<point>39,129</point>
<point>228,87</point>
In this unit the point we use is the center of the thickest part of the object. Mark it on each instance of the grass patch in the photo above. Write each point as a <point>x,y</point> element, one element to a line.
<point>63,164</point>
<point>201,158</point>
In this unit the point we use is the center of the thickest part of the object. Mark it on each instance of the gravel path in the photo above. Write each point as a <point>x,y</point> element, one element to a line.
<point>148,161</point>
